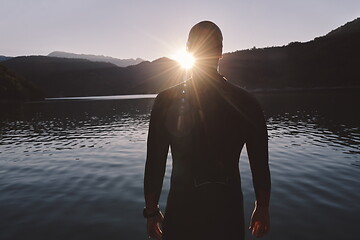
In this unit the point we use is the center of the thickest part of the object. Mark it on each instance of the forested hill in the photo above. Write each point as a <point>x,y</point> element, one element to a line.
<point>349,28</point>
<point>328,61</point>
<point>78,77</point>
<point>325,62</point>
<point>3,58</point>
<point>13,87</point>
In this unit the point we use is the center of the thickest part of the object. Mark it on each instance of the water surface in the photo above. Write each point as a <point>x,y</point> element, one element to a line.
<point>73,168</point>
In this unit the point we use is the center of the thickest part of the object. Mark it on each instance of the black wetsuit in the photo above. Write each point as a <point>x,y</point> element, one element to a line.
<point>206,123</point>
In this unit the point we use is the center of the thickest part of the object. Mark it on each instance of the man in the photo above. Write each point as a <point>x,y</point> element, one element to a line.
<point>206,121</point>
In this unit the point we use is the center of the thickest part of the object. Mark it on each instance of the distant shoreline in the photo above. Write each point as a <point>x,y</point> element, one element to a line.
<point>110,97</point>
<point>254,91</point>
<point>298,90</point>
<point>153,95</point>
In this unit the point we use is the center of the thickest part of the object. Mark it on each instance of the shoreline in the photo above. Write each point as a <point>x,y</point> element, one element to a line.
<point>153,95</point>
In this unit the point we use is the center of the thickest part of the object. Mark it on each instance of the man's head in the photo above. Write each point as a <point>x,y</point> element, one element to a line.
<point>205,41</point>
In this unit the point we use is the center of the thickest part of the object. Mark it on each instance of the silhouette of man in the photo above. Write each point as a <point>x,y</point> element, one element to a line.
<point>206,121</point>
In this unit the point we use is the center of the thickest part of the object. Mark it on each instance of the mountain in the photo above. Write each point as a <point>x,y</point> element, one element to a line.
<point>78,77</point>
<point>3,58</point>
<point>16,88</point>
<point>330,61</point>
<point>349,28</point>
<point>325,62</point>
<point>97,58</point>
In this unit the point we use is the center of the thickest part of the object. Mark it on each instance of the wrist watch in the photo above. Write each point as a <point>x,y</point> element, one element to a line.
<point>152,214</point>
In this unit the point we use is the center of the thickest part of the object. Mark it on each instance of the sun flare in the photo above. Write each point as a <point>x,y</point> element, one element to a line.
<point>184,58</point>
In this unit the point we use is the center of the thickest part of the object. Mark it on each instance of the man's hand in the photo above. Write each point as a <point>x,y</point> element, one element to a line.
<point>154,226</point>
<point>260,221</point>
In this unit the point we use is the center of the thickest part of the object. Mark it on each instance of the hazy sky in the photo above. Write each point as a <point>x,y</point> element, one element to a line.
<point>156,28</point>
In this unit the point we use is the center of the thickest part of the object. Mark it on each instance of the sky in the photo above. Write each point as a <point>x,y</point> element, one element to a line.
<point>151,29</point>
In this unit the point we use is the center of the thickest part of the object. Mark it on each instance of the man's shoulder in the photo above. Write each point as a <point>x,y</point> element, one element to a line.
<point>245,103</point>
<point>237,89</point>
<point>168,95</point>
<point>171,92</point>
<point>238,93</point>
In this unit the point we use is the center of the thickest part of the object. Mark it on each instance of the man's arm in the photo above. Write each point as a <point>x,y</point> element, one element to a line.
<point>157,150</point>
<point>257,148</point>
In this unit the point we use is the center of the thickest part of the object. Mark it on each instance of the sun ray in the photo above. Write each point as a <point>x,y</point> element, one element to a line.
<point>184,58</point>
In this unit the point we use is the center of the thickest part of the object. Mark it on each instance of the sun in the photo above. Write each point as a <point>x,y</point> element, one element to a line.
<point>184,58</point>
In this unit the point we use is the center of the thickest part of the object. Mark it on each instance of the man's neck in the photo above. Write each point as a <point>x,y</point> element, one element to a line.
<point>204,72</point>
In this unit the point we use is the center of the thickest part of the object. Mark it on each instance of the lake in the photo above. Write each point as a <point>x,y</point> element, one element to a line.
<point>72,168</point>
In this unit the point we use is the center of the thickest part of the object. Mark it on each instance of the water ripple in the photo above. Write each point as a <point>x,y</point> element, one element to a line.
<point>79,165</point>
